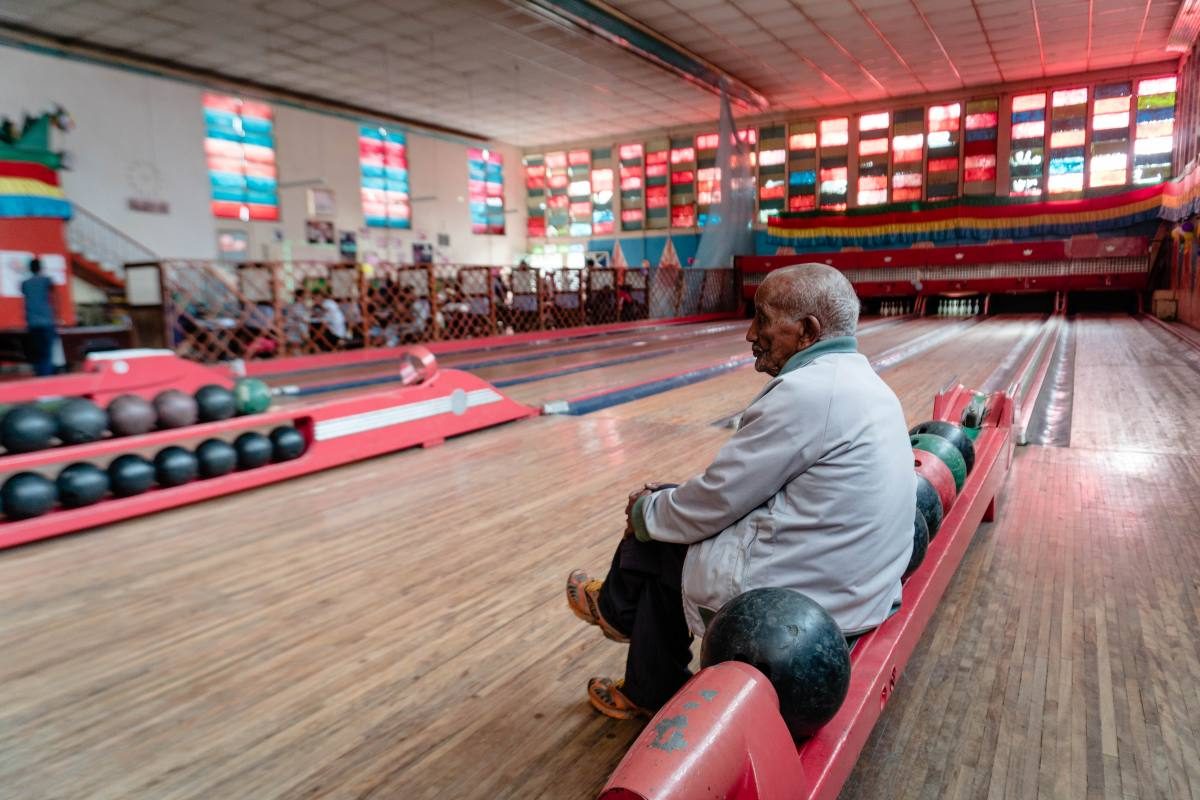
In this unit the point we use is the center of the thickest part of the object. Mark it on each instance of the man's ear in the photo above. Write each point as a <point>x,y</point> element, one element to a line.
<point>811,329</point>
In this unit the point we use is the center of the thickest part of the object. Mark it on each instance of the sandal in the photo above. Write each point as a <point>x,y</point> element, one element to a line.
<point>606,697</point>
<point>583,598</point>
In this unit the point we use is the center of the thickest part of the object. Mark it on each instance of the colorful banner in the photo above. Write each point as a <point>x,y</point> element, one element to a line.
<point>29,189</point>
<point>239,148</point>
<point>383,162</point>
<point>1181,197</point>
<point>965,220</point>
<point>485,190</point>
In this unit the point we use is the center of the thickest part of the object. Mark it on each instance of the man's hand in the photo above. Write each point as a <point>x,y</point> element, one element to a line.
<point>646,489</point>
<point>629,507</point>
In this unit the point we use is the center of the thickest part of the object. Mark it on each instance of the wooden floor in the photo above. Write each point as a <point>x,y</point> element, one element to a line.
<point>1064,660</point>
<point>395,629</point>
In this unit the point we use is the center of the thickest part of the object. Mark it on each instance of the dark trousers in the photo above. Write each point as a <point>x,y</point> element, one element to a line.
<point>41,349</point>
<point>643,598</point>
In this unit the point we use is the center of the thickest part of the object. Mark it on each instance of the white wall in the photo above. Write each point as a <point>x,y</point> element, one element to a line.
<point>142,136</point>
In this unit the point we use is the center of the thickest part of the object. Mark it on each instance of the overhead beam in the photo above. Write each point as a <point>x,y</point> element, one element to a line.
<point>1185,28</point>
<point>620,30</point>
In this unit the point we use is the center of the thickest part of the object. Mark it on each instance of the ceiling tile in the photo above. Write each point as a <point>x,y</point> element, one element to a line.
<point>494,67</point>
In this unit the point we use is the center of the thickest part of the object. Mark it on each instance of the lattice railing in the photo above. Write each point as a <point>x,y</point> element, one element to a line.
<point>218,312</point>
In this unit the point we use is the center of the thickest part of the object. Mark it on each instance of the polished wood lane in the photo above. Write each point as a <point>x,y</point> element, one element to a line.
<point>329,636</point>
<point>393,628</point>
<point>1154,377</point>
<point>969,357</point>
<point>1063,662</point>
<point>566,351</point>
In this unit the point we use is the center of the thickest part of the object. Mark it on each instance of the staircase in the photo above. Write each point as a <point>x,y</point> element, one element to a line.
<point>94,274</point>
<point>98,247</point>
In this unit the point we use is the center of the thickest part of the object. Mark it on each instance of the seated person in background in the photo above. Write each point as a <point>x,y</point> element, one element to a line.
<point>416,311</point>
<point>295,321</point>
<point>500,298</point>
<point>328,322</point>
<point>814,492</point>
<point>259,331</point>
<point>352,314</point>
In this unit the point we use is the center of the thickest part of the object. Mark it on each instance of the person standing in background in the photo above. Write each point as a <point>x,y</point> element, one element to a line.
<point>40,316</point>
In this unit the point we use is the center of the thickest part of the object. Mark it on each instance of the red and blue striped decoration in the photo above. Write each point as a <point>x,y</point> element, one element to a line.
<point>485,190</point>
<point>383,160</point>
<point>239,147</point>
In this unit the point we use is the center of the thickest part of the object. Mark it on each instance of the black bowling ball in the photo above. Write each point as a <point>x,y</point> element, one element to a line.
<point>80,421</point>
<point>794,642</point>
<point>129,475</point>
<point>25,429</point>
<point>26,495</point>
<point>215,403</point>
<point>287,443</point>
<point>253,450</point>
<point>929,504</point>
<point>175,466</point>
<point>920,543</point>
<point>216,458</point>
<point>81,484</point>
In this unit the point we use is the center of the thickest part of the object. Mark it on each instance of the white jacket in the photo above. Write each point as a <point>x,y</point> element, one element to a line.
<point>814,492</point>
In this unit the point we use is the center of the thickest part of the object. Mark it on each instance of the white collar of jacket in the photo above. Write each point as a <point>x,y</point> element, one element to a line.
<point>836,344</point>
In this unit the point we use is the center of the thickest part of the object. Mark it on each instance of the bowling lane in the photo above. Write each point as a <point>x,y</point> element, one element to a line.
<point>695,344</point>
<point>715,399</point>
<point>727,347</point>
<point>968,359</point>
<point>1135,388</point>
<point>144,659</point>
<point>526,355</point>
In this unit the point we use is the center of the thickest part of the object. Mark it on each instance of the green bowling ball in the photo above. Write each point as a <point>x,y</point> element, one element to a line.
<point>946,452</point>
<point>251,396</point>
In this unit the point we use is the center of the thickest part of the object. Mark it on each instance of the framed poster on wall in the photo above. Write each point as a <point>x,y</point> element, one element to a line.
<point>232,245</point>
<point>318,231</point>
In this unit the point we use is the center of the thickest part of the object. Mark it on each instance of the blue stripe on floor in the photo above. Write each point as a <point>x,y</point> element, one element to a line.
<point>609,399</point>
<point>612,362</point>
<point>360,383</point>
<point>499,362</point>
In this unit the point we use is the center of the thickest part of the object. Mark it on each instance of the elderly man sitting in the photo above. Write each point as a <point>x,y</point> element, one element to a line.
<point>814,492</point>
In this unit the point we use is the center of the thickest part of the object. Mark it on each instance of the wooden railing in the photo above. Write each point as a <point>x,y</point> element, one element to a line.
<point>213,311</point>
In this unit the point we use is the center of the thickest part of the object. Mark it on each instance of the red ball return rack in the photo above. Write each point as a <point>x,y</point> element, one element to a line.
<point>722,734</point>
<point>430,406</point>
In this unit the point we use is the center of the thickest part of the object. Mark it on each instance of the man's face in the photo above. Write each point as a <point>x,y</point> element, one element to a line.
<point>773,337</point>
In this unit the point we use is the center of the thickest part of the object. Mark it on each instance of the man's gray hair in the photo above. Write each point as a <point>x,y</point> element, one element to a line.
<point>818,290</point>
